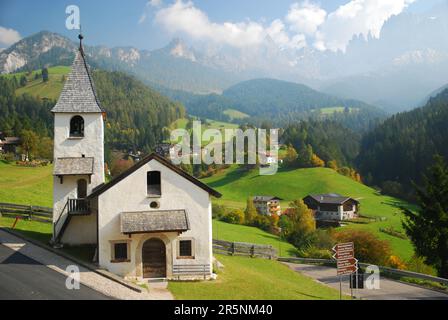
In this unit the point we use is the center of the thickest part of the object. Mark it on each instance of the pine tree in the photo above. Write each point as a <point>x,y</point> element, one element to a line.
<point>45,75</point>
<point>250,212</point>
<point>428,226</point>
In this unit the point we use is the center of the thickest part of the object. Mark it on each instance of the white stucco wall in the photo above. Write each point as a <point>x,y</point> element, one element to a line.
<point>130,195</point>
<point>81,229</point>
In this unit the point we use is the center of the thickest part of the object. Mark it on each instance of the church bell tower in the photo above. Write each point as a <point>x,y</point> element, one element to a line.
<point>78,154</point>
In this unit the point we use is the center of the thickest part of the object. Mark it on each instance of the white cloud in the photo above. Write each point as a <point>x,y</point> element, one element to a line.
<point>304,21</point>
<point>8,36</point>
<point>357,17</point>
<point>155,3</point>
<point>305,17</point>
<point>185,18</point>
<point>278,34</point>
<point>150,3</point>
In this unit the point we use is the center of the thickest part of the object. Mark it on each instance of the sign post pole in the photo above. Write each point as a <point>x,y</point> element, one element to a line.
<point>344,253</point>
<point>340,287</point>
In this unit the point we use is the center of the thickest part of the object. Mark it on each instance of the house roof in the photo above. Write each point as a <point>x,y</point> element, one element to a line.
<point>73,166</point>
<point>10,140</point>
<point>330,198</point>
<point>266,198</point>
<point>78,94</point>
<point>153,156</point>
<point>154,221</point>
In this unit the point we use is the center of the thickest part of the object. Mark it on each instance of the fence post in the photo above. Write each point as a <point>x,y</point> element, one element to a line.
<point>30,212</point>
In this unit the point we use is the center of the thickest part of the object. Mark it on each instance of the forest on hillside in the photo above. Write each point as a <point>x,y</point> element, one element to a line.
<point>398,151</point>
<point>137,116</point>
<point>280,102</point>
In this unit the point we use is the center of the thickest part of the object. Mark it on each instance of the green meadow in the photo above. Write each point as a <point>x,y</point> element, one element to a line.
<point>253,279</point>
<point>237,185</point>
<point>36,87</point>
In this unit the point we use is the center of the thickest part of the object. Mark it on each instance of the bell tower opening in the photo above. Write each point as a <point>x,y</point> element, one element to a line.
<point>77,127</point>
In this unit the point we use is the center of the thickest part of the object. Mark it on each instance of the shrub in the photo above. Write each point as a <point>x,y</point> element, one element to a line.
<point>120,165</point>
<point>396,263</point>
<point>218,211</point>
<point>417,264</point>
<point>235,216</point>
<point>316,253</point>
<point>324,239</point>
<point>368,248</point>
<point>262,222</point>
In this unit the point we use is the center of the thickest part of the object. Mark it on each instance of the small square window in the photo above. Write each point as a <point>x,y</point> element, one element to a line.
<point>120,252</point>
<point>185,248</point>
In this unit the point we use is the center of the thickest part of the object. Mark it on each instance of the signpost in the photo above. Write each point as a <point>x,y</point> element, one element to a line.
<point>344,253</point>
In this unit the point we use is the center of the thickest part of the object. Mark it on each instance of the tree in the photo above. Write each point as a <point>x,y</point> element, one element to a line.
<point>29,142</point>
<point>45,148</point>
<point>305,156</point>
<point>44,74</point>
<point>368,248</point>
<point>235,216</point>
<point>316,161</point>
<point>291,156</point>
<point>300,228</point>
<point>23,81</point>
<point>120,165</point>
<point>427,227</point>
<point>332,164</point>
<point>251,212</point>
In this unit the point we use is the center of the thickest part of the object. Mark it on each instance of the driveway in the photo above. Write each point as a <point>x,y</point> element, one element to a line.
<point>389,289</point>
<point>24,278</point>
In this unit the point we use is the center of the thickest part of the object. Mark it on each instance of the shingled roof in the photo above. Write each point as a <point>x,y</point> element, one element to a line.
<point>331,198</point>
<point>154,221</point>
<point>78,94</point>
<point>73,166</point>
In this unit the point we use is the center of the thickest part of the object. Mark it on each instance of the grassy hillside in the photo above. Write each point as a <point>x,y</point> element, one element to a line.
<point>236,186</point>
<point>25,185</point>
<point>36,87</point>
<point>253,279</point>
<point>235,114</point>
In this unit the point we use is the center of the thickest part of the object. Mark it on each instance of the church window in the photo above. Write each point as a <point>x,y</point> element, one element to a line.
<point>153,184</point>
<point>77,127</point>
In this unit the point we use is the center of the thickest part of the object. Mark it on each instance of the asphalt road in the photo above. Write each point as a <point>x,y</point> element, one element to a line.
<point>389,289</point>
<point>22,278</point>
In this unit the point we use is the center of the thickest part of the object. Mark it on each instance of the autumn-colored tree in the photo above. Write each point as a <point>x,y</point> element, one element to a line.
<point>368,247</point>
<point>29,142</point>
<point>299,226</point>
<point>120,165</point>
<point>316,161</point>
<point>235,216</point>
<point>290,156</point>
<point>250,212</point>
<point>332,164</point>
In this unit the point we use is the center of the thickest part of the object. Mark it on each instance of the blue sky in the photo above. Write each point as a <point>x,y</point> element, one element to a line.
<point>116,22</point>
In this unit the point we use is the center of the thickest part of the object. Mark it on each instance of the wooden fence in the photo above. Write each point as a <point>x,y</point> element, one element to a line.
<point>41,214</point>
<point>245,249</point>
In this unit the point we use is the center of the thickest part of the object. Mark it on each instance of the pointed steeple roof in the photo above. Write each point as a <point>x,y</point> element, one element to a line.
<point>78,94</point>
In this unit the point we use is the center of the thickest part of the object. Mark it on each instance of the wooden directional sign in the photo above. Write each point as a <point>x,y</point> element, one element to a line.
<point>345,256</point>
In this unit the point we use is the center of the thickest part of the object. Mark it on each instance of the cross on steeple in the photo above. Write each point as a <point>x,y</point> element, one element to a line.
<point>80,37</point>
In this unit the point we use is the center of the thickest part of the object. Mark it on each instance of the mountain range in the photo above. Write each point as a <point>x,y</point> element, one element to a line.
<point>396,71</point>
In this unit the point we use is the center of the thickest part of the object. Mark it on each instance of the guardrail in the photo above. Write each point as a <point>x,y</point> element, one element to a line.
<point>387,270</point>
<point>41,214</point>
<point>245,249</point>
